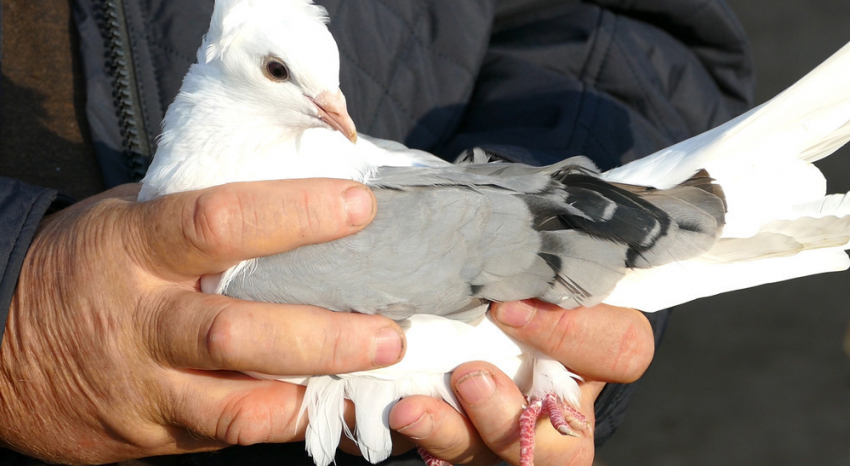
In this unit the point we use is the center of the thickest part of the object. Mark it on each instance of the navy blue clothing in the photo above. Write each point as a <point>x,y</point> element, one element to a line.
<point>21,209</point>
<point>537,80</point>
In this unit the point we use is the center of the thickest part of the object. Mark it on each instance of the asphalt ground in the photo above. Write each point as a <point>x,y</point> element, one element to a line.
<point>761,376</point>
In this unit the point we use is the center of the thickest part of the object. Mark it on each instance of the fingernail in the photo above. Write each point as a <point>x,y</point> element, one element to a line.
<point>476,387</point>
<point>388,347</point>
<point>359,205</point>
<point>516,314</point>
<point>420,428</point>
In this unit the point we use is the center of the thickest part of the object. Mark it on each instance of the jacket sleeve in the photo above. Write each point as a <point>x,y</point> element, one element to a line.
<point>21,209</point>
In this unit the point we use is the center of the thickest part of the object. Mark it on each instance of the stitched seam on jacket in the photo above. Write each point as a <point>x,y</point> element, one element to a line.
<point>386,90</point>
<point>606,54</point>
<point>160,44</point>
<point>425,45</point>
<point>600,28</point>
<point>403,55</point>
<point>733,20</point>
<point>350,58</point>
<point>588,125</point>
<point>701,9</point>
<point>644,98</point>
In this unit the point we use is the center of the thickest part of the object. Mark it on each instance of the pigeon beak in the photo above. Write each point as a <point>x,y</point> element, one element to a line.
<point>333,112</point>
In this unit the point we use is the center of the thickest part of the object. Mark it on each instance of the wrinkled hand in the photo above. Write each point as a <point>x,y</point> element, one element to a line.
<point>602,344</point>
<point>111,352</point>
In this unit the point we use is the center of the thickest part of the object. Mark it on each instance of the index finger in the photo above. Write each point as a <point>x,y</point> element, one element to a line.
<point>207,231</point>
<point>212,332</point>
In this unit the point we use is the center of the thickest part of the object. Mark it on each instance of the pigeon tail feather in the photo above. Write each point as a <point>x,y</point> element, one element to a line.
<point>775,226</point>
<point>324,400</point>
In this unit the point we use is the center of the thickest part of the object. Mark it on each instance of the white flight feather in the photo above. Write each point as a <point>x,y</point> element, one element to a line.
<point>762,160</point>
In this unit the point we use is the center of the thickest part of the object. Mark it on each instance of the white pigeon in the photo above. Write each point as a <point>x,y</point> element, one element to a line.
<point>738,206</point>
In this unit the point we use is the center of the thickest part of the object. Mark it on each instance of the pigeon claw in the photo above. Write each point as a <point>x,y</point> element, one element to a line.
<point>565,419</point>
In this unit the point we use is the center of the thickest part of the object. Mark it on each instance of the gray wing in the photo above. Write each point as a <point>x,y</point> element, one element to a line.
<point>446,239</point>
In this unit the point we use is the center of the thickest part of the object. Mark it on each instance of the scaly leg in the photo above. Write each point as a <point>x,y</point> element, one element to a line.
<point>527,427</point>
<point>565,419</point>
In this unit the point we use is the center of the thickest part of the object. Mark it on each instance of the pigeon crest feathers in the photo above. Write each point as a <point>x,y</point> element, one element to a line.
<point>244,34</point>
<point>230,18</point>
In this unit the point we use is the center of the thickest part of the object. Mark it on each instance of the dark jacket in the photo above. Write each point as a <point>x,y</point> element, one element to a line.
<point>536,80</point>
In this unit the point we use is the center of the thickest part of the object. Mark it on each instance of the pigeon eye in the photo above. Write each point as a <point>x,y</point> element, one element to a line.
<point>275,70</point>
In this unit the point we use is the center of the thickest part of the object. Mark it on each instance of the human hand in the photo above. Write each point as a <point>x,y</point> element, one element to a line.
<point>111,351</point>
<point>602,344</point>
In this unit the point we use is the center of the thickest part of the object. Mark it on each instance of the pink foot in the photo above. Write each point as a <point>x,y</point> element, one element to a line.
<point>566,419</point>
<point>431,460</point>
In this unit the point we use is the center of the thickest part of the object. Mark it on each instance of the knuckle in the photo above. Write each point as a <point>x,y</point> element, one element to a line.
<point>503,436</point>
<point>154,318</point>
<point>213,222</point>
<point>217,342</point>
<point>247,422</point>
<point>446,443</point>
<point>559,336</point>
<point>335,347</point>
<point>307,214</point>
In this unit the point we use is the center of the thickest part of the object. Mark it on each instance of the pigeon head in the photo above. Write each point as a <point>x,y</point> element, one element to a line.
<point>280,55</point>
<point>267,73</point>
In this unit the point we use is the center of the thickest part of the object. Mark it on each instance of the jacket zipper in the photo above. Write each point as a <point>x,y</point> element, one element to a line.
<point>125,88</point>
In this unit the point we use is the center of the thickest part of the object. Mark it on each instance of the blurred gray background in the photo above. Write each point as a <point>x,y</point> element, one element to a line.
<point>757,377</point>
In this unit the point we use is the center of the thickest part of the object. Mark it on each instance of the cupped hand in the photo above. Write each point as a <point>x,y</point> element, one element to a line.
<point>602,344</point>
<point>111,351</point>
